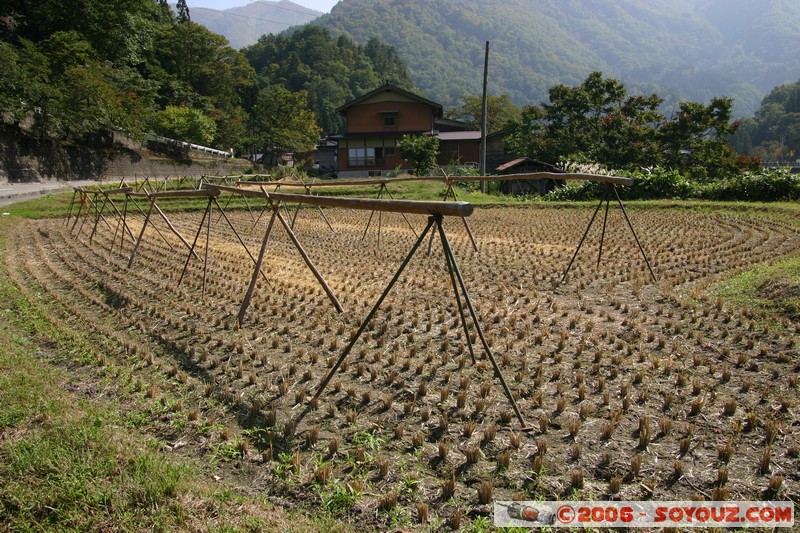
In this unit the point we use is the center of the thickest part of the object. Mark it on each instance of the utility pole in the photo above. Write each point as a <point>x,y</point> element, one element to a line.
<point>483,118</point>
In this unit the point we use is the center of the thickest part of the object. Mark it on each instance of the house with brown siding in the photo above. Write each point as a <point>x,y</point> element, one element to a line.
<point>377,120</point>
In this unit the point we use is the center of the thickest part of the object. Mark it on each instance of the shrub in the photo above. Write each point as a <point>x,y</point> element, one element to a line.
<point>768,185</point>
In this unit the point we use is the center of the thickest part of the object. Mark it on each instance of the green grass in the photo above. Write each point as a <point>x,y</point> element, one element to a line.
<point>774,288</point>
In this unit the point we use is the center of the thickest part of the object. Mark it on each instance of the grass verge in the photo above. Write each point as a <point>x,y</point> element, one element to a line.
<point>774,288</point>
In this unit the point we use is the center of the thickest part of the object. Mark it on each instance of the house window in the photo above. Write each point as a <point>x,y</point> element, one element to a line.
<point>388,151</point>
<point>361,157</point>
<point>389,121</point>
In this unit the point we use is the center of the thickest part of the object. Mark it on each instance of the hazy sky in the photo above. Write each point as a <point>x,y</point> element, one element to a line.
<point>320,5</point>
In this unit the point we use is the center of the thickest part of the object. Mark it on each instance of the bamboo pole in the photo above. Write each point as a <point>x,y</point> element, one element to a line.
<point>418,207</point>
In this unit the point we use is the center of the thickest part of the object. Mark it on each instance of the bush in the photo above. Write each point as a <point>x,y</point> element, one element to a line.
<point>765,186</point>
<point>660,183</point>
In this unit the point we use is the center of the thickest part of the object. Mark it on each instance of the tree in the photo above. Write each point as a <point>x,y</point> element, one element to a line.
<point>24,84</point>
<point>695,140</point>
<point>186,124</point>
<point>420,151</point>
<point>500,112</point>
<point>595,121</point>
<point>183,12</point>
<point>774,132</point>
<point>282,123</point>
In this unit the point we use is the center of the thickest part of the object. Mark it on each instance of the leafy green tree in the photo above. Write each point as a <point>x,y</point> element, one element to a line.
<point>420,151</point>
<point>24,84</point>
<point>774,132</point>
<point>201,71</point>
<point>596,121</point>
<point>500,112</point>
<point>695,140</point>
<point>387,63</point>
<point>282,123</point>
<point>186,124</point>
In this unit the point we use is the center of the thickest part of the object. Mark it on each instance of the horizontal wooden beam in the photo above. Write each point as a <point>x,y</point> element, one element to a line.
<point>121,190</point>
<point>418,207</point>
<point>201,193</point>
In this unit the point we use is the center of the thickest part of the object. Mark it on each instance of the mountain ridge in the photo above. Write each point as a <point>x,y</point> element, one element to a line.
<point>681,50</point>
<point>243,25</point>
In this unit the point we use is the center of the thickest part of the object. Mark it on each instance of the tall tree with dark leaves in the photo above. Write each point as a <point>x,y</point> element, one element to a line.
<point>283,123</point>
<point>165,12</point>
<point>183,12</point>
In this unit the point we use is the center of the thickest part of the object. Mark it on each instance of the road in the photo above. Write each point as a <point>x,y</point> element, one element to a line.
<point>17,192</point>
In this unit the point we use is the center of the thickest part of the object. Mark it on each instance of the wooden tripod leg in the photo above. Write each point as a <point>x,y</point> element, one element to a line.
<point>205,255</point>
<point>310,265</point>
<point>603,233</point>
<point>452,260</point>
<point>88,212</point>
<point>125,222</point>
<point>174,230</point>
<point>141,233</point>
<point>371,314</point>
<point>447,192</point>
<point>325,218</point>
<point>71,204</point>
<point>84,204</point>
<point>99,213</point>
<point>294,217</point>
<point>246,249</point>
<point>404,215</point>
<point>371,214</point>
<point>450,271</point>
<point>163,238</point>
<point>194,242</point>
<point>463,219</point>
<point>259,262</point>
<point>633,231</point>
<point>585,233</point>
<point>124,218</point>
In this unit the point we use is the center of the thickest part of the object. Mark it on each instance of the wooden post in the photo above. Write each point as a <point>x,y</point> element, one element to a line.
<point>249,295</point>
<point>233,228</point>
<point>141,233</point>
<point>452,264</point>
<point>71,204</point>
<point>174,230</point>
<point>310,265</point>
<point>206,213</point>
<point>485,108</point>
<point>141,211</point>
<point>633,231</point>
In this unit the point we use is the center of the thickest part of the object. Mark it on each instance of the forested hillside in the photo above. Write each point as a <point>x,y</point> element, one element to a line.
<point>330,70</point>
<point>78,72</point>
<point>681,50</point>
